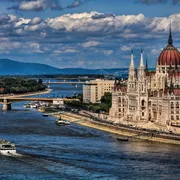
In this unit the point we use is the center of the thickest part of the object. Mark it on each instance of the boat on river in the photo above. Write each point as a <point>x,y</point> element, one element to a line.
<point>61,122</point>
<point>122,139</point>
<point>7,148</point>
<point>45,115</point>
<point>26,105</point>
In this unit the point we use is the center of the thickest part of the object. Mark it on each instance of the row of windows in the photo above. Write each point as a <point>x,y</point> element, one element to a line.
<point>175,118</point>
<point>131,86</point>
<point>121,110</point>
<point>174,107</point>
<point>175,112</point>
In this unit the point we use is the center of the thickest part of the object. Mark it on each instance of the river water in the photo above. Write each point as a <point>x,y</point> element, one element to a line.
<point>50,152</point>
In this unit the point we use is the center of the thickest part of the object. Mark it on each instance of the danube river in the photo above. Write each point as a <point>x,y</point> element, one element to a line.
<point>74,152</point>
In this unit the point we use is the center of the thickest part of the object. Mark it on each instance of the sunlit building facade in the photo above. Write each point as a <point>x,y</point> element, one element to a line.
<point>150,96</point>
<point>95,89</point>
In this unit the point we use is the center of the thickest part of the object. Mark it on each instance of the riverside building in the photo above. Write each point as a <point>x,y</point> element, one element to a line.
<point>150,96</point>
<point>95,89</point>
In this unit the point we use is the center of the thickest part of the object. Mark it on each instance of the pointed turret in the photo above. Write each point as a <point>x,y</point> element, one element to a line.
<point>132,60</point>
<point>141,76</point>
<point>170,40</point>
<point>142,60</point>
<point>132,75</point>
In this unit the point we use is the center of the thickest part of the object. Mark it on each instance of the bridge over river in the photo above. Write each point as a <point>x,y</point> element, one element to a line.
<point>65,82</point>
<point>7,101</point>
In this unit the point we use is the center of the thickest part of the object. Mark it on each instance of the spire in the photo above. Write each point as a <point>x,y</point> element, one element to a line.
<point>170,40</point>
<point>132,60</point>
<point>141,61</point>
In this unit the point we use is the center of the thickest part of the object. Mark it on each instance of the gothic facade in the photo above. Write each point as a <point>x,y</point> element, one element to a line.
<point>150,96</point>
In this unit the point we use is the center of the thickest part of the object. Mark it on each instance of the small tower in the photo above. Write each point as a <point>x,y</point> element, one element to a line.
<point>142,98</point>
<point>170,40</point>
<point>141,75</point>
<point>132,75</point>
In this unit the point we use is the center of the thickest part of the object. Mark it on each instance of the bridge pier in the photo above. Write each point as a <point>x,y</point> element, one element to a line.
<point>6,107</point>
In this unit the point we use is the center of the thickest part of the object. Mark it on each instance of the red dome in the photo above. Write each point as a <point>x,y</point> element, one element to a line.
<point>169,56</point>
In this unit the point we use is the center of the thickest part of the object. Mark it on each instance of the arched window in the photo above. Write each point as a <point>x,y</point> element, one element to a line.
<point>177,105</point>
<point>143,102</point>
<point>172,105</point>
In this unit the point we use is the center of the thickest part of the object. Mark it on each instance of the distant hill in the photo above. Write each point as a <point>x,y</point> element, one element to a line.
<point>10,67</point>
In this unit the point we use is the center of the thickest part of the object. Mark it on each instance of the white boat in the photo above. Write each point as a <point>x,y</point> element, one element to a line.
<point>26,106</point>
<point>60,122</point>
<point>33,106</point>
<point>7,148</point>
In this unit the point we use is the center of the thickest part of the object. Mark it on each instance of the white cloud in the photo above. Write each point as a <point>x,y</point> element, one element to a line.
<point>32,5</point>
<point>91,44</point>
<point>36,5</point>
<point>125,48</point>
<point>35,20</point>
<point>108,52</point>
<point>72,34</point>
<point>65,50</point>
<point>22,21</point>
<point>156,51</point>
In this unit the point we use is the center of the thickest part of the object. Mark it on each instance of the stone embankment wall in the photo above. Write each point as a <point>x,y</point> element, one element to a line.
<point>132,134</point>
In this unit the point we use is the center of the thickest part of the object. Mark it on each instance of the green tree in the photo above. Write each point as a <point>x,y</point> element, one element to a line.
<point>107,98</point>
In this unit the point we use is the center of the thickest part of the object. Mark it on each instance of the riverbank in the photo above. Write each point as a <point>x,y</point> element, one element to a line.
<point>46,91</point>
<point>131,134</point>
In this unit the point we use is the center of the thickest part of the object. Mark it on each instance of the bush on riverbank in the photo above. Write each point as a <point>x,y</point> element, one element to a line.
<point>105,105</point>
<point>20,85</point>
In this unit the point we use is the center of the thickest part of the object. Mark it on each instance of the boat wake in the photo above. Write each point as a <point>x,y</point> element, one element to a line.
<point>12,154</point>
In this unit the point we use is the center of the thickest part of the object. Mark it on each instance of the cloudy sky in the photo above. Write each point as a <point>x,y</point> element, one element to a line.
<point>86,33</point>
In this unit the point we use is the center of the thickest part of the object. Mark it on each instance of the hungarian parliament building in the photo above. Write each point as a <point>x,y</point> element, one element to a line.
<point>150,96</point>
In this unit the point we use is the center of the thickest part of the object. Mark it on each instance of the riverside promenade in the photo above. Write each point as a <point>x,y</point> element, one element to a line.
<point>131,133</point>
